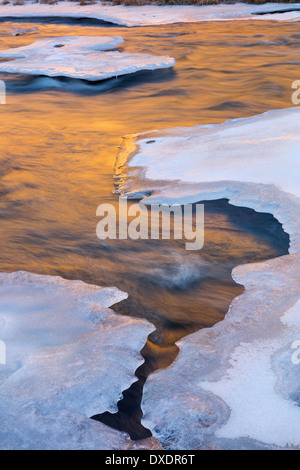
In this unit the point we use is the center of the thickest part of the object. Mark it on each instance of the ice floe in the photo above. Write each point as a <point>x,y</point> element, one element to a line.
<point>22,31</point>
<point>234,386</point>
<point>80,57</point>
<point>68,356</point>
<point>67,44</point>
<point>154,14</point>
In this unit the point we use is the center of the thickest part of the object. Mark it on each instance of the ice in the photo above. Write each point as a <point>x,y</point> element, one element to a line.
<point>247,160</point>
<point>154,14</point>
<point>219,152</point>
<point>66,45</point>
<point>233,386</point>
<point>68,357</point>
<point>80,57</point>
<point>248,389</point>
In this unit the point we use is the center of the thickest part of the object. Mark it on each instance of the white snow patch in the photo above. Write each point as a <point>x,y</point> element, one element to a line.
<point>234,385</point>
<point>68,358</point>
<point>154,14</point>
<point>268,143</point>
<point>81,57</point>
<point>248,388</point>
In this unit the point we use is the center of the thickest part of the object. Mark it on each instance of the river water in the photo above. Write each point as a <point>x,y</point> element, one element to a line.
<point>59,140</point>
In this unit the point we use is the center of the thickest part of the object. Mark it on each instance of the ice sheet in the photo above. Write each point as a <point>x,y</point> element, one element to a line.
<point>154,14</point>
<point>68,357</point>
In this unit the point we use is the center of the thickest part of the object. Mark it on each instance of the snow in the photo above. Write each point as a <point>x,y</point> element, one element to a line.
<point>200,152</point>
<point>68,357</point>
<point>79,57</point>
<point>154,14</point>
<point>248,388</point>
<point>67,45</point>
<point>234,385</point>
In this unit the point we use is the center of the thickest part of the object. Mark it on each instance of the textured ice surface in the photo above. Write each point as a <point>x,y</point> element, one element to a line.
<point>66,44</point>
<point>68,357</point>
<point>153,14</point>
<point>234,385</point>
<point>79,57</point>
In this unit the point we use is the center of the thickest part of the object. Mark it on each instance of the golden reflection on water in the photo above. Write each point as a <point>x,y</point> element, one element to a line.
<point>58,147</point>
<point>57,154</point>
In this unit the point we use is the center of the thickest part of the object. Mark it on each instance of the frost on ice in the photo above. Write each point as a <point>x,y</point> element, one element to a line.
<point>66,44</point>
<point>67,357</point>
<point>234,385</point>
<point>154,14</point>
<point>81,57</point>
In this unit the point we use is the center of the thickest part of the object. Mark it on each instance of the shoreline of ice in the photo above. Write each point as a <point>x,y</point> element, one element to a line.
<point>150,15</point>
<point>233,386</point>
<point>79,57</point>
<point>68,356</point>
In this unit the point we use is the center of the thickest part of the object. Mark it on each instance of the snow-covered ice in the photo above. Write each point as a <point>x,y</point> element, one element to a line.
<point>68,357</point>
<point>80,57</point>
<point>234,385</point>
<point>256,152</point>
<point>67,44</point>
<point>154,14</point>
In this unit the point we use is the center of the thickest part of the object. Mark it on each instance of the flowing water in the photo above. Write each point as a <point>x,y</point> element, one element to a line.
<point>59,140</point>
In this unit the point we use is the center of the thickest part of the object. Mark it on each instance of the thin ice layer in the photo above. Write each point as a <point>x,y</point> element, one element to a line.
<point>154,14</point>
<point>234,385</point>
<point>68,357</point>
<point>80,57</point>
